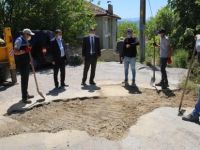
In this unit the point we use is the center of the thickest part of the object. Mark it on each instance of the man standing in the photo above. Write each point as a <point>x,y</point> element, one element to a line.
<point>59,57</point>
<point>90,51</point>
<point>194,116</point>
<point>165,54</point>
<point>21,50</point>
<point>119,48</point>
<point>129,55</point>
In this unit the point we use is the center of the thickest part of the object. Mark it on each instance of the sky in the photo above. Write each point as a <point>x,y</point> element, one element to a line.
<point>130,8</point>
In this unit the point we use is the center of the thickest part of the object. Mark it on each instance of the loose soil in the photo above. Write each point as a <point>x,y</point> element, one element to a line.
<point>109,117</point>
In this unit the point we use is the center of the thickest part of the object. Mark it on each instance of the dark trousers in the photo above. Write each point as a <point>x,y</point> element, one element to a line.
<point>23,64</point>
<point>59,65</point>
<point>120,58</point>
<point>89,61</point>
<point>163,65</point>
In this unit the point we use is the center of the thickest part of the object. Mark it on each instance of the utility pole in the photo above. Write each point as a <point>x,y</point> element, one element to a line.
<point>142,29</point>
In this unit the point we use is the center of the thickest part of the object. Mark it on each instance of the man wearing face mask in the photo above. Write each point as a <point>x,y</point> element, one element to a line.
<point>21,50</point>
<point>90,51</point>
<point>129,55</point>
<point>59,57</point>
<point>165,54</point>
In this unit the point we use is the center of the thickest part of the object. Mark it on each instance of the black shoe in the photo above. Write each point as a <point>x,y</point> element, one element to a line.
<point>92,83</point>
<point>125,83</point>
<point>159,84</point>
<point>83,84</point>
<point>191,118</point>
<point>30,96</point>
<point>64,85</point>
<point>26,101</point>
<point>133,84</point>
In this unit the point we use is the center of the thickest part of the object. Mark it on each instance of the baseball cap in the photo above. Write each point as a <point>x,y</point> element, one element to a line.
<point>28,31</point>
<point>129,30</point>
<point>162,31</point>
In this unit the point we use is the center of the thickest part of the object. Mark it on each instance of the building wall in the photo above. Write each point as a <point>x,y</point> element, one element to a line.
<point>107,31</point>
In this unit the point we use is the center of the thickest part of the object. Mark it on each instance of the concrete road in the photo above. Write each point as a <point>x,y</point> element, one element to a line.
<point>107,74</point>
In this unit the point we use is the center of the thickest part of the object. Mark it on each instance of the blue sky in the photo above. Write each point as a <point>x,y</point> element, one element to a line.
<point>130,8</point>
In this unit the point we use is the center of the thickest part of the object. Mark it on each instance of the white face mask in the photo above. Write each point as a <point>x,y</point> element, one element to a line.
<point>29,38</point>
<point>92,34</point>
<point>59,37</point>
<point>129,35</point>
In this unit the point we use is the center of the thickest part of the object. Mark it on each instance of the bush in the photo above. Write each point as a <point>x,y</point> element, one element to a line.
<point>75,60</point>
<point>180,58</point>
<point>149,55</point>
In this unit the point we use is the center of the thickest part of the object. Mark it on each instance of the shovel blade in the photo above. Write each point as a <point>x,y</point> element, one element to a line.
<point>152,81</point>
<point>181,112</point>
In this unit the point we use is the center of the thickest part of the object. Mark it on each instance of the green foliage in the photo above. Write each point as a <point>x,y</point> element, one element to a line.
<point>73,17</point>
<point>180,58</point>
<point>164,18</point>
<point>195,73</point>
<point>149,55</point>
<point>122,27</point>
<point>186,12</point>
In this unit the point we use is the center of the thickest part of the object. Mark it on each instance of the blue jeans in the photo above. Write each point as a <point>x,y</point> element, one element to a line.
<point>131,61</point>
<point>196,111</point>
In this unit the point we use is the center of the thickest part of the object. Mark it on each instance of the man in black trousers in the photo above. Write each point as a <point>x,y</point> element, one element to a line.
<point>90,51</point>
<point>21,49</point>
<point>59,57</point>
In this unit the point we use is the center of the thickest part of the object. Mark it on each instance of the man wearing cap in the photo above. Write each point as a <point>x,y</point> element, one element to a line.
<point>119,48</point>
<point>165,54</point>
<point>129,55</point>
<point>90,51</point>
<point>58,49</point>
<point>21,50</point>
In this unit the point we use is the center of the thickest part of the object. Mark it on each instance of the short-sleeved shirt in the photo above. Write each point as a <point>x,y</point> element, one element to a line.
<point>164,47</point>
<point>20,42</point>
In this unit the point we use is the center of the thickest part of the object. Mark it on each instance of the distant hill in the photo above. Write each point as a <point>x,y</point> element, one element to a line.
<point>133,20</point>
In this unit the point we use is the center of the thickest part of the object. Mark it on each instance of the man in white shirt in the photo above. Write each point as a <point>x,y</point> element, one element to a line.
<point>58,50</point>
<point>90,51</point>
<point>165,54</point>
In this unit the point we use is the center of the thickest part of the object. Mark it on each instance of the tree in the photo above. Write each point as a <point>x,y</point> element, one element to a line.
<point>73,17</point>
<point>187,20</point>
<point>164,18</point>
<point>122,27</point>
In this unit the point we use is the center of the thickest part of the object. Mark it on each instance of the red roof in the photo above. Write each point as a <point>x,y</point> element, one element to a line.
<point>98,11</point>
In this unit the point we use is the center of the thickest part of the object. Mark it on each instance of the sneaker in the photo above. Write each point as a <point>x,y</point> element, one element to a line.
<point>26,101</point>
<point>191,118</point>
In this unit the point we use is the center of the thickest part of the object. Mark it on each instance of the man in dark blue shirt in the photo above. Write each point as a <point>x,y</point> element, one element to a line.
<point>21,50</point>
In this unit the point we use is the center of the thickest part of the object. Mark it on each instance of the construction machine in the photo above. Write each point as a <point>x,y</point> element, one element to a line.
<point>7,60</point>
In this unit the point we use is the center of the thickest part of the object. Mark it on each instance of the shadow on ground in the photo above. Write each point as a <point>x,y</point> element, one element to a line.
<point>91,88</point>
<point>132,89</point>
<point>56,91</point>
<point>4,86</point>
<point>167,92</point>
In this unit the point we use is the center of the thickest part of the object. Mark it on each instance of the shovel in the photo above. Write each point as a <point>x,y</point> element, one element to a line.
<point>182,111</point>
<point>36,83</point>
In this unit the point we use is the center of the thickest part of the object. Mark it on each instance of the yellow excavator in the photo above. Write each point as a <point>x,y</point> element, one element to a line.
<point>7,60</point>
